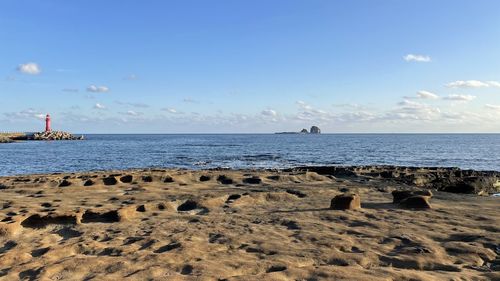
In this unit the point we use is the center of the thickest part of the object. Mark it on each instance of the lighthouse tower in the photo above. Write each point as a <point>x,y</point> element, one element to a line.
<point>47,123</point>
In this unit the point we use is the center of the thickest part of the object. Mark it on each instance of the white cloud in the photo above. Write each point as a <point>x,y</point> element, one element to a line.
<point>409,103</point>
<point>172,110</point>
<point>456,97</point>
<point>99,106</point>
<point>40,116</point>
<point>29,68</point>
<point>492,106</point>
<point>427,95</point>
<point>97,89</point>
<point>269,112</point>
<point>468,84</point>
<point>495,84</point>
<point>417,58</point>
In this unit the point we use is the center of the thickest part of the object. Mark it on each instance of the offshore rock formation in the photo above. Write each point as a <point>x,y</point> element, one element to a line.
<point>54,135</point>
<point>315,130</point>
<point>452,180</point>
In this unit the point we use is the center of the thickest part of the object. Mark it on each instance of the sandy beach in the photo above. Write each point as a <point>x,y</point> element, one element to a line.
<point>239,225</point>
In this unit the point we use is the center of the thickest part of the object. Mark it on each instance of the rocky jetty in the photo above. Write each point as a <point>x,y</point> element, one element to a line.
<point>5,139</point>
<point>452,180</point>
<point>54,135</point>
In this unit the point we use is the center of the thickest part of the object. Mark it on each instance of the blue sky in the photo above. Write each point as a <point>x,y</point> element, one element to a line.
<point>250,66</point>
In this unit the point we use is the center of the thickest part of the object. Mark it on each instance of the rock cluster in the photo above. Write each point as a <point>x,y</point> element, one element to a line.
<point>5,139</point>
<point>452,180</point>
<point>54,135</point>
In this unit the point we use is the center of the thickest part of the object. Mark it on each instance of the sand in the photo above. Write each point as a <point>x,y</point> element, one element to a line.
<point>238,225</point>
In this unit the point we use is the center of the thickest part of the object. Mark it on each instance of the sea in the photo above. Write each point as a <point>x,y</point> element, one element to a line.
<point>204,151</point>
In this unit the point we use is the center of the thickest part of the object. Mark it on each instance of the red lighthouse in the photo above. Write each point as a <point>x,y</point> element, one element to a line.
<point>47,123</point>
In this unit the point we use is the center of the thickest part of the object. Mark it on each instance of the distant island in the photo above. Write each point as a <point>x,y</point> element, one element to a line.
<point>314,130</point>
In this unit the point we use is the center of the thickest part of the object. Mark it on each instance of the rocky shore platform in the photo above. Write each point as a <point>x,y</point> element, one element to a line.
<point>308,223</point>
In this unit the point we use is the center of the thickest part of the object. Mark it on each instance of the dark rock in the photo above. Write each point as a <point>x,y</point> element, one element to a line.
<point>416,202</point>
<point>346,202</point>
<point>315,130</point>
<point>64,183</point>
<point>304,131</point>
<point>188,206</point>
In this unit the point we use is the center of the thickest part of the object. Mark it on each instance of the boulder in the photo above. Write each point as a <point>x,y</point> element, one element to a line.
<point>304,131</point>
<point>416,202</point>
<point>315,130</point>
<point>400,195</point>
<point>346,202</point>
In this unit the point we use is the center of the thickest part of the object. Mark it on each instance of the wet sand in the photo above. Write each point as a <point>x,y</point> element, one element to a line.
<point>238,225</point>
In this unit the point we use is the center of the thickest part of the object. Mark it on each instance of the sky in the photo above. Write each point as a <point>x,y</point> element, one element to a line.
<point>260,66</point>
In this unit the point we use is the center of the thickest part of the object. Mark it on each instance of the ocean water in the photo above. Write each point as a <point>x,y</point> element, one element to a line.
<point>103,152</point>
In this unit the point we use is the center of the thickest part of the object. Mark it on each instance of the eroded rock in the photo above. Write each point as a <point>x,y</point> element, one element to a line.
<point>346,202</point>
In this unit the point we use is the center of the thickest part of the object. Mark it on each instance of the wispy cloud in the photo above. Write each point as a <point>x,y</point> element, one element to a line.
<point>417,58</point>
<point>495,84</point>
<point>172,110</point>
<point>133,104</point>
<point>97,89</point>
<point>269,112</point>
<point>464,98</point>
<point>132,113</point>
<point>427,95</point>
<point>493,106</point>
<point>473,84</point>
<point>29,68</point>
